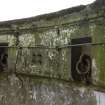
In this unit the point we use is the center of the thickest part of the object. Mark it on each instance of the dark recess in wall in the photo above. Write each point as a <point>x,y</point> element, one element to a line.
<point>77,55</point>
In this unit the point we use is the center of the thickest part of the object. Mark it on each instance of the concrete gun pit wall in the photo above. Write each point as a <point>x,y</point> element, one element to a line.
<point>40,55</point>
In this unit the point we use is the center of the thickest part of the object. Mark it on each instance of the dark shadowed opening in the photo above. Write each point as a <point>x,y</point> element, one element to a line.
<point>3,56</point>
<point>81,60</point>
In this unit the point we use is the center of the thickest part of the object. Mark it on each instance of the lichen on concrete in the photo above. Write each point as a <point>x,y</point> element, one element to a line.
<point>39,58</point>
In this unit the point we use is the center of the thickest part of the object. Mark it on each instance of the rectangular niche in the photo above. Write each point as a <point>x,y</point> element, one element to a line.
<point>3,56</point>
<point>81,60</point>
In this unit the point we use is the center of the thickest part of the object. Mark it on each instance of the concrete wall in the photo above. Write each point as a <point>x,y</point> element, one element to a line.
<point>53,62</point>
<point>23,90</point>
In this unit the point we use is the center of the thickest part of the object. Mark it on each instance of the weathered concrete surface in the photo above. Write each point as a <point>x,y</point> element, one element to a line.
<point>22,90</point>
<point>42,75</point>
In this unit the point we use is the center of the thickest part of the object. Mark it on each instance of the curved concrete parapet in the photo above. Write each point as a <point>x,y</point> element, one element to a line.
<point>22,90</point>
<point>40,58</point>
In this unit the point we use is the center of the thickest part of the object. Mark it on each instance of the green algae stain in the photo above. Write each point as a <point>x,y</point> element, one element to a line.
<point>99,50</point>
